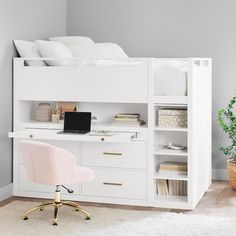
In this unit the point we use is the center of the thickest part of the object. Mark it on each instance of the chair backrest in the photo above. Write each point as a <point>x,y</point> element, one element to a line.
<point>47,164</point>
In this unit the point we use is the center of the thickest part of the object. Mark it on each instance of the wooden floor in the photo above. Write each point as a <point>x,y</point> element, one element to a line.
<point>219,200</point>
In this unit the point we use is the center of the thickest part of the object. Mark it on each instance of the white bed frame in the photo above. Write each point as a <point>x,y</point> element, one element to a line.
<point>107,90</point>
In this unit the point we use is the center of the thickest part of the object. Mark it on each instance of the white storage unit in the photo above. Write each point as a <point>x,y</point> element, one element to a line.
<point>126,165</point>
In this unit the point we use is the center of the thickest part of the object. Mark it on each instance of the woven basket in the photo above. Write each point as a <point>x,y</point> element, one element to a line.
<point>231,166</point>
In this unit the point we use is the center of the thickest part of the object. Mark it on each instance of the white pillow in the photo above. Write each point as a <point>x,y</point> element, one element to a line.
<point>110,51</point>
<point>170,73</point>
<point>98,51</point>
<point>55,50</point>
<point>28,49</point>
<point>71,40</point>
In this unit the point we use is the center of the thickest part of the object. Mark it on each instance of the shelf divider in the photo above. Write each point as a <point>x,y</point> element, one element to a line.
<point>170,152</point>
<point>175,129</point>
<point>171,176</point>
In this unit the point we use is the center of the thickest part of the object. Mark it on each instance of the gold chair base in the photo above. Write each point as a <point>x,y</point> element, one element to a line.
<point>56,205</point>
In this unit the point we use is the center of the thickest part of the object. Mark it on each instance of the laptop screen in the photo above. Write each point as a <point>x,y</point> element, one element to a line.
<point>77,121</point>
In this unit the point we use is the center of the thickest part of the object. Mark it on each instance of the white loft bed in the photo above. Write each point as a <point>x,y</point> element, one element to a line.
<point>107,88</point>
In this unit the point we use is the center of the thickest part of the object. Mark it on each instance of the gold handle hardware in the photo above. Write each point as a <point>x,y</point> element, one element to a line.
<point>31,136</point>
<point>113,153</point>
<point>114,184</point>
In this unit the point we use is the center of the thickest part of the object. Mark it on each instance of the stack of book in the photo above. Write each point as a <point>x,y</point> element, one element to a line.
<point>173,167</point>
<point>128,119</point>
<point>171,187</point>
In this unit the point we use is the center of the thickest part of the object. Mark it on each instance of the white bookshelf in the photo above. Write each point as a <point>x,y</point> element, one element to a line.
<point>197,155</point>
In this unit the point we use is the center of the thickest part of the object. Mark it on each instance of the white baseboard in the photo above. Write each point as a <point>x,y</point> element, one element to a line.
<point>219,174</point>
<point>6,192</point>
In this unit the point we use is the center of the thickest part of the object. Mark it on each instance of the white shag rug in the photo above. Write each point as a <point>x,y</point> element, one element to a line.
<point>110,222</point>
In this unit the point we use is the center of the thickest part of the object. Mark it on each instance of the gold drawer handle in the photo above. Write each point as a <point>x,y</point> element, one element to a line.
<point>114,184</point>
<point>31,136</point>
<point>112,153</point>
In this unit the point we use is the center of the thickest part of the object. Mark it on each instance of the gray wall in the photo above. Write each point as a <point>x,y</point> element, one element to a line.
<point>29,20</point>
<point>167,28</point>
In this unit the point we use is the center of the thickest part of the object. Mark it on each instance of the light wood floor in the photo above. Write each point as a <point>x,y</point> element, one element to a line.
<point>219,200</point>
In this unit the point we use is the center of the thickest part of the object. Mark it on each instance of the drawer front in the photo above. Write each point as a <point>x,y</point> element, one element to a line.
<point>117,184</point>
<point>125,155</point>
<point>28,186</point>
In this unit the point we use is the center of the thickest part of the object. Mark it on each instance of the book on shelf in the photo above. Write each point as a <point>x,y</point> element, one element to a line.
<point>128,119</point>
<point>168,168</point>
<point>171,172</point>
<point>171,187</point>
<point>128,123</point>
<point>173,166</point>
<point>128,115</point>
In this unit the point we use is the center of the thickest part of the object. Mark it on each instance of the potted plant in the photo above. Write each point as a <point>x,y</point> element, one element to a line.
<point>56,112</point>
<point>227,121</point>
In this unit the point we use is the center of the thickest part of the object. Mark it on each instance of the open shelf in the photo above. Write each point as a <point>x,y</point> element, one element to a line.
<point>176,129</point>
<point>170,152</point>
<point>43,125</point>
<point>94,126</point>
<point>180,100</point>
<point>171,176</point>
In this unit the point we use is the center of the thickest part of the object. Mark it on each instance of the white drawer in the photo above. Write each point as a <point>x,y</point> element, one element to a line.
<point>117,184</point>
<point>124,155</point>
<point>26,185</point>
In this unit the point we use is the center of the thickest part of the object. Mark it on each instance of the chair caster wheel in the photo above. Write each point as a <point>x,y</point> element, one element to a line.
<point>25,218</point>
<point>87,218</point>
<point>77,209</point>
<point>42,209</point>
<point>54,224</point>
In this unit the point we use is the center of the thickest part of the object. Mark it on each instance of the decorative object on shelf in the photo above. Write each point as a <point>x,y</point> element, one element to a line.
<point>67,107</point>
<point>168,117</point>
<point>128,119</point>
<point>174,146</point>
<point>43,112</point>
<point>227,121</point>
<point>56,112</point>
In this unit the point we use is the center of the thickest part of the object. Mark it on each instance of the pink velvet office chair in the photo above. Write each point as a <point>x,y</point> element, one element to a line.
<point>51,165</point>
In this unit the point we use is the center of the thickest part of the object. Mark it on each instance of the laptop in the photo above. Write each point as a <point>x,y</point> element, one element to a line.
<point>77,122</point>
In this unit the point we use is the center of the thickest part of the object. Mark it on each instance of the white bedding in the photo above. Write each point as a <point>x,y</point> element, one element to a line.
<point>69,47</point>
<point>170,77</point>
